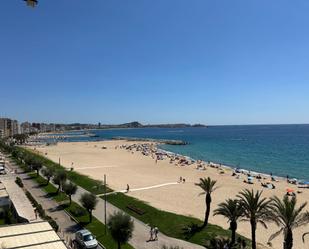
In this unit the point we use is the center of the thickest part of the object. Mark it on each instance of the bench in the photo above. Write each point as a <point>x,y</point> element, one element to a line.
<point>135,209</point>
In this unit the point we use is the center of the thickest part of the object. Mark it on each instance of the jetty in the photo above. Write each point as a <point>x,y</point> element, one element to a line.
<point>162,141</point>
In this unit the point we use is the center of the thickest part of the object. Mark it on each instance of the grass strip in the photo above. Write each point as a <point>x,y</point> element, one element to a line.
<point>168,223</point>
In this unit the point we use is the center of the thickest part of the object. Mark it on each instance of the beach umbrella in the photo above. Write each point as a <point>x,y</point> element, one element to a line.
<point>289,190</point>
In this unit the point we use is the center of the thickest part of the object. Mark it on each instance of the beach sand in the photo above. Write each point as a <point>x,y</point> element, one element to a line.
<point>123,167</point>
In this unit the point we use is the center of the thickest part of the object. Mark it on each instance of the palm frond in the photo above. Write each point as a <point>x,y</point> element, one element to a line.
<point>276,234</point>
<point>304,235</point>
<point>207,184</point>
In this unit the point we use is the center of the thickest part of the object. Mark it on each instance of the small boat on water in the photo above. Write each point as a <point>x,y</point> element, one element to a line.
<point>92,135</point>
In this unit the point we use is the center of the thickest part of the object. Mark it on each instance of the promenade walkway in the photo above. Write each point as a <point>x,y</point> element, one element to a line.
<point>67,227</point>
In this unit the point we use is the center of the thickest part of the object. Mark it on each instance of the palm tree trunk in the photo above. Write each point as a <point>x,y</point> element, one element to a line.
<point>119,246</point>
<point>233,226</point>
<point>207,212</point>
<point>90,216</point>
<point>253,230</point>
<point>288,240</point>
<point>70,197</point>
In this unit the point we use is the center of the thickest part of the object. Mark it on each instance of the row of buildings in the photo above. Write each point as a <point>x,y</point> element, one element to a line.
<point>9,127</point>
<point>27,127</point>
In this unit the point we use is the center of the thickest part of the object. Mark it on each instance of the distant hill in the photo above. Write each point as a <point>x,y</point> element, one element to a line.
<point>134,124</point>
<point>173,125</point>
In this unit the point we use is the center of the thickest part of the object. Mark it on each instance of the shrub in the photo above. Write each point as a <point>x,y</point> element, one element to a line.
<point>19,182</point>
<point>77,211</point>
<point>190,230</point>
<point>53,223</point>
<point>41,211</point>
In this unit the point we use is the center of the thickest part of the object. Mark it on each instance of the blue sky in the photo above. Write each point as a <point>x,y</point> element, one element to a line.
<point>195,61</point>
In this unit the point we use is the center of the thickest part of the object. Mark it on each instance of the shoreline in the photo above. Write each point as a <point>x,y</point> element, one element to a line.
<point>232,167</point>
<point>170,142</point>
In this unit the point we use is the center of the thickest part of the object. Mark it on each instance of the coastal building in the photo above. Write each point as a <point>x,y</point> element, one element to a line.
<point>25,127</point>
<point>47,127</point>
<point>15,127</point>
<point>4,127</point>
<point>36,235</point>
<point>8,127</point>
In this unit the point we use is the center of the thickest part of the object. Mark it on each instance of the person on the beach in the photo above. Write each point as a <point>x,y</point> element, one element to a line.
<point>128,188</point>
<point>180,179</point>
<point>156,231</point>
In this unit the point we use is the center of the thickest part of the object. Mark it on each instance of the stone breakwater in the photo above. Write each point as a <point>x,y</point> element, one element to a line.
<point>162,141</point>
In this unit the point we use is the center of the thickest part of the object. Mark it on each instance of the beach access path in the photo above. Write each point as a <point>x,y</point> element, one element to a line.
<point>140,233</point>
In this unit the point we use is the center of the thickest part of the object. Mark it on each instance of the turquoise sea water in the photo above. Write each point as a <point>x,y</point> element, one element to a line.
<point>278,149</point>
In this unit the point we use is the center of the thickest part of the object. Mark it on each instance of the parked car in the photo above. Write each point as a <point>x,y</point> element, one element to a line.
<point>85,239</point>
<point>2,169</point>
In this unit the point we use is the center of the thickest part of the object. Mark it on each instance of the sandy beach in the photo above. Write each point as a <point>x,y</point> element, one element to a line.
<point>156,182</point>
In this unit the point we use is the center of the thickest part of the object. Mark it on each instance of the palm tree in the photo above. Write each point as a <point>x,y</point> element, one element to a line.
<point>232,210</point>
<point>287,216</point>
<point>70,189</point>
<point>89,202</point>
<point>208,187</point>
<point>121,227</point>
<point>255,210</point>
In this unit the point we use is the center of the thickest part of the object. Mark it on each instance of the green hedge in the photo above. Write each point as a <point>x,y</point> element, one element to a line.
<point>19,182</point>
<point>42,212</point>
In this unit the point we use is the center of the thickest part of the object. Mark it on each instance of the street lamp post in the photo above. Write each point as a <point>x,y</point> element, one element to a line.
<point>105,203</point>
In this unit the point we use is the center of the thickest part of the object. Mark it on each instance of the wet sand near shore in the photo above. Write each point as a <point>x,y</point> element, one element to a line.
<point>155,182</point>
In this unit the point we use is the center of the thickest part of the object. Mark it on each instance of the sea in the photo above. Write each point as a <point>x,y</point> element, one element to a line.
<point>278,149</point>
